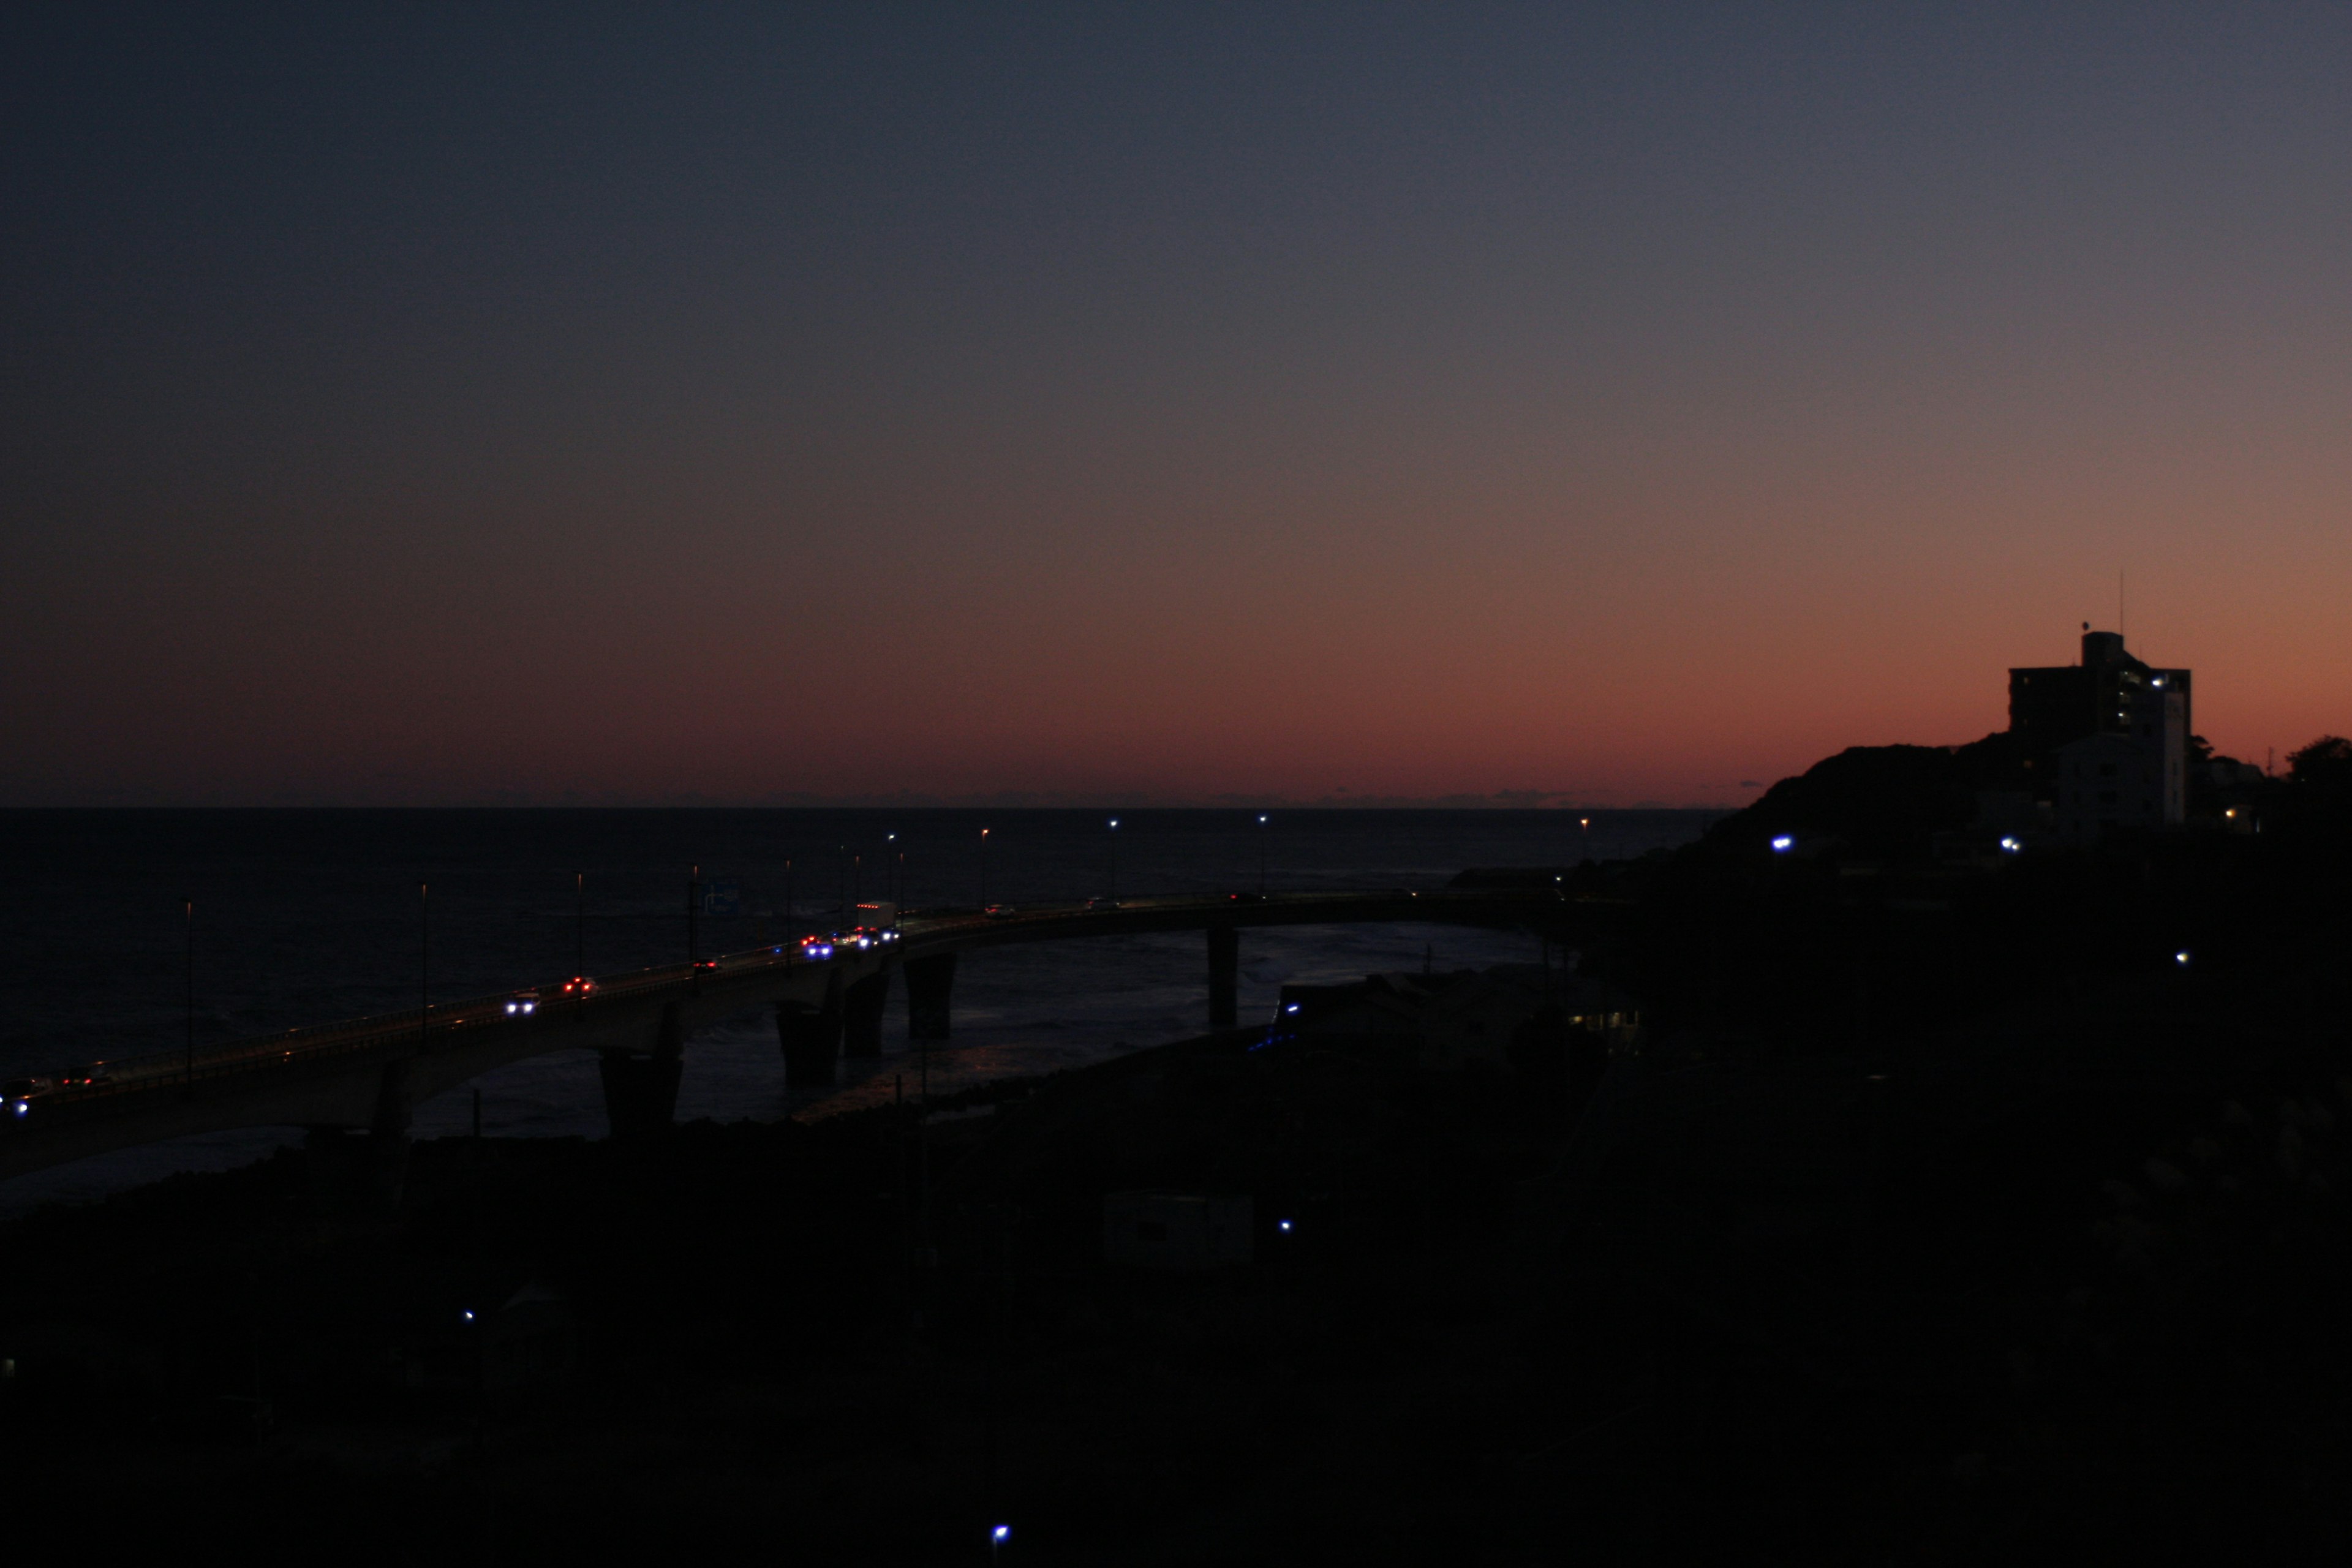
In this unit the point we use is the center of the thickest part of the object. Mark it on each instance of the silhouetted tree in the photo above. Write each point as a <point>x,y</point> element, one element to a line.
<point>2326,761</point>
<point>2315,803</point>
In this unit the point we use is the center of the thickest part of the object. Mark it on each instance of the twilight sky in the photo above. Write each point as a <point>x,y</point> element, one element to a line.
<point>449,404</point>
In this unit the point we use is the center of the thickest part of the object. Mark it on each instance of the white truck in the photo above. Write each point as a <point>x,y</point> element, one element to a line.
<point>876,924</point>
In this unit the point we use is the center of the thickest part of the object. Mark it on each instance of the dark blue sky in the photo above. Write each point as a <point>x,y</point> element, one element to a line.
<point>416,404</point>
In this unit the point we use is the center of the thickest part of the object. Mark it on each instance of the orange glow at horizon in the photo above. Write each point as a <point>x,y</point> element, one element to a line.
<point>1624,412</point>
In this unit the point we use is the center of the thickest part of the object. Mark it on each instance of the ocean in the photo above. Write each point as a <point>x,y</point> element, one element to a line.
<point>303,917</point>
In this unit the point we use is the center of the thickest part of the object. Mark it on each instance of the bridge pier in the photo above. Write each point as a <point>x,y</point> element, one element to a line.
<point>641,1090</point>
<point>810,1037</point>
<point>861,1015</point>
<point>930,983</point>
<point>366,1165</point>
<point>1224,976</point>
<point>388,1134</point>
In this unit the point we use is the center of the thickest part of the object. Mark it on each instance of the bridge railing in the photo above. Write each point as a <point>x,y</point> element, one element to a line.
<point>124,1075</point>
<point>348,1037</point>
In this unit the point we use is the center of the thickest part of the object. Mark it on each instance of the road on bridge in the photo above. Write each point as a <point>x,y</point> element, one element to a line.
<point>370,1072</point>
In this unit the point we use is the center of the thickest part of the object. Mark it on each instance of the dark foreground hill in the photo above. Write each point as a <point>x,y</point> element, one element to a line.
<point>1877,800</point>
<point>2066,1272</point>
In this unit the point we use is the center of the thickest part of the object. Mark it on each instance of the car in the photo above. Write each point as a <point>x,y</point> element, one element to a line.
<point>1103,903</point>
<point>522,1003</point>
<point>579,986</point>
<point>816,945</point>
<point>1245,898</point>
<point>86,1077</point>
<point>706,966</point>
<point>999,911</point>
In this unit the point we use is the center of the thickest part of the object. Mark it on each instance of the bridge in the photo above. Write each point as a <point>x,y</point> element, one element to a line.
<point>369,1074</point>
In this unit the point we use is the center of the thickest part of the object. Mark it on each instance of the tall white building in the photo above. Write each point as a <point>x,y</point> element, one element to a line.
<point>2109,739</point>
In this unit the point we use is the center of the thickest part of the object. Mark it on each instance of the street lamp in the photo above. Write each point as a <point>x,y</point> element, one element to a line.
<point>424,964</point>
<point>1261,854</point>
<point>192,990</point>
<point>693,896</point>
<point>1114,858</point>
<point>1584,827</point>
<point>983,869</point>
<point>580,923</point>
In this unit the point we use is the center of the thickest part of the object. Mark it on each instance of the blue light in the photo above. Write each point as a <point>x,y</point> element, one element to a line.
<point>470,1315</point>
<point>1291,1007</point>
<point>1282,1225</point>
<point>1000,1535</point>
<point>1783,844</point>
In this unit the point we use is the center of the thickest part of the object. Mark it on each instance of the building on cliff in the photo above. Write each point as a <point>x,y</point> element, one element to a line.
<point>2106,742</point>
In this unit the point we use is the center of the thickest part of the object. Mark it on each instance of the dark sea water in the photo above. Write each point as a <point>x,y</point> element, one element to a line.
<point>304,917</point>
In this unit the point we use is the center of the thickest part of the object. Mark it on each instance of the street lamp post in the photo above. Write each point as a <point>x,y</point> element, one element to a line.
<point>788,902</point>
<point>1114,858</point>
<point>693,892</point>
<point>424,964</point>
<point>191,991</point>
<point>579,923</point>
<point>983,869</point>
<point>1261,854</point>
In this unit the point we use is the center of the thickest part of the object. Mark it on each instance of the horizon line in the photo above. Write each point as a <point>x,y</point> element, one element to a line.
<point>1509,800</point>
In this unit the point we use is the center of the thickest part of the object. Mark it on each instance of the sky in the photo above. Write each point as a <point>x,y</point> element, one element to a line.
<point>1612,405</point>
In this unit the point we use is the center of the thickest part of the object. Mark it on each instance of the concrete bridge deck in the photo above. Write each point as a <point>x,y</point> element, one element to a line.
<point>370,1073</point>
